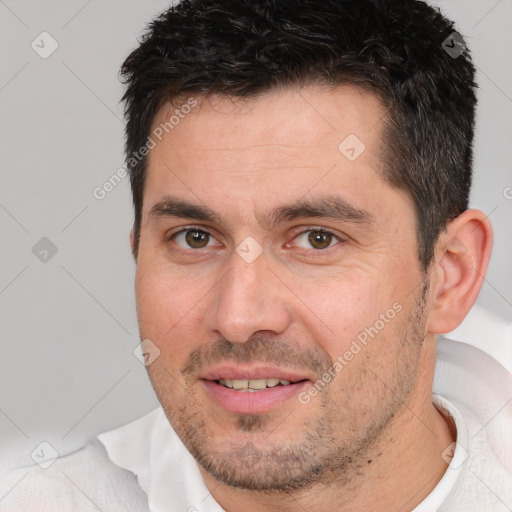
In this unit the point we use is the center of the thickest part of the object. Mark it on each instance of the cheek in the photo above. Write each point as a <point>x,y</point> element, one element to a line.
<point>166,306</point>
<point>337,310</point>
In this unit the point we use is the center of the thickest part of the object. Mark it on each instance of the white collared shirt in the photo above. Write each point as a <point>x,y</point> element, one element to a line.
<point>144,467</point>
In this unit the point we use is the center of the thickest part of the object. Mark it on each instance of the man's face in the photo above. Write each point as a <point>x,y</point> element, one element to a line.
<point>274,259</point>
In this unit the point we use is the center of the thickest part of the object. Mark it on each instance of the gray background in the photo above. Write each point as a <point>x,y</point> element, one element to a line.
<point>69,328</point>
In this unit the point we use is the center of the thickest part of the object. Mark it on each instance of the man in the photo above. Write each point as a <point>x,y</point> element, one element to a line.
<point>300,173</point>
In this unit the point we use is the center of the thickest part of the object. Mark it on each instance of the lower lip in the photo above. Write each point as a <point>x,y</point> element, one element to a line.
<point>252,402</point>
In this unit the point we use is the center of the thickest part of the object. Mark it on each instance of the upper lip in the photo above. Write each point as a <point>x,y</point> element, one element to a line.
<point>241,372</point>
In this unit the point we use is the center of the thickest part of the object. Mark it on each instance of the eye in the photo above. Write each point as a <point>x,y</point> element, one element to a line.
<point>317,239</point>
<point>193,239</point>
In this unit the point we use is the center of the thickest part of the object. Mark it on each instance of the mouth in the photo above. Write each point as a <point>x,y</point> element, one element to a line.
<point>253,391</point>
<point>249,386</point>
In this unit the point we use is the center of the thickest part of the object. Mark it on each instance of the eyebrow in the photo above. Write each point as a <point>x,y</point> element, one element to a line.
<point>173,207</point>
<point>328,207</point>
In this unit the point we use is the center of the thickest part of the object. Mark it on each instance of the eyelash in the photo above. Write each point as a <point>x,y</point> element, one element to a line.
<point>296,235</point>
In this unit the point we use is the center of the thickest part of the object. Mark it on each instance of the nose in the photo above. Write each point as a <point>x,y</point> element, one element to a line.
<point>250,298</point>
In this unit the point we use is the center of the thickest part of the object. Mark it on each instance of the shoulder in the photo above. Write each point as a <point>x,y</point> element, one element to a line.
<point>472,379</point>
<point>84,480</point>
<point>481,389</point>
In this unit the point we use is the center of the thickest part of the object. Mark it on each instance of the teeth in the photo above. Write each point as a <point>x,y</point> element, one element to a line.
<point>226,382</point>
<point>253,384</point>
<point>240,384</point>
<point>258,384</point>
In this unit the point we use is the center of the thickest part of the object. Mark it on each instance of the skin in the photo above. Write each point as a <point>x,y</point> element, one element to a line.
<point>371,439</point>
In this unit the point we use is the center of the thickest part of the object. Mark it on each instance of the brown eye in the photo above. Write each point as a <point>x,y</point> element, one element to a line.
<point>197,239</point>
<point>320,239</point>
<point>193,239</point>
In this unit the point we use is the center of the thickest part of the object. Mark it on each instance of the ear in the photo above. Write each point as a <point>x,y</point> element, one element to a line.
<point>462,256</point>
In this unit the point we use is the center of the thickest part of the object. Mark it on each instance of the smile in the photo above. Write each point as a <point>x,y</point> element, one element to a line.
<point>253,384</point>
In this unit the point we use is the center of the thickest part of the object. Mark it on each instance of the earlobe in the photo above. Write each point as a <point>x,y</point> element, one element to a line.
<point>462,256</point>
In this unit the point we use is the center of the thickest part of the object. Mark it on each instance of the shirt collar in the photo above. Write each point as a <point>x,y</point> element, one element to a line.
<point>457,451</point>
<point>165,469</point>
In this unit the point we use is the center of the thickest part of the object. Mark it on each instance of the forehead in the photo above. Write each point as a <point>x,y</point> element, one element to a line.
<point>288,116</point>
<point>229,152</point>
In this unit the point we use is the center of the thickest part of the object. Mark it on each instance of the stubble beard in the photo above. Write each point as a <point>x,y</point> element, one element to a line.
<point>336,441</point>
